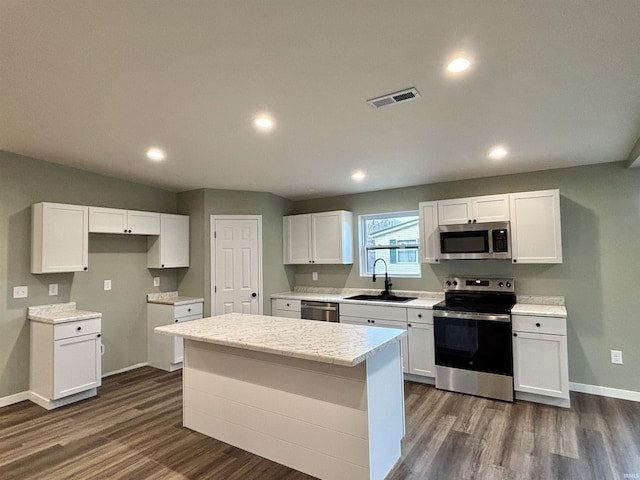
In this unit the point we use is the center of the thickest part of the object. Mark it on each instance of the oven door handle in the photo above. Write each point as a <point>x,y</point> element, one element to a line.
<point>473,316</point>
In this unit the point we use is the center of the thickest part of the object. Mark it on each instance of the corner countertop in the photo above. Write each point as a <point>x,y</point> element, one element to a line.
<point>172,298</point>
<point>59,313</point>
<point>326,342</point>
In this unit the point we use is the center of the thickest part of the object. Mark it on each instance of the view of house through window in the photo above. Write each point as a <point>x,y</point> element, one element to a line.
<point>394,237</point>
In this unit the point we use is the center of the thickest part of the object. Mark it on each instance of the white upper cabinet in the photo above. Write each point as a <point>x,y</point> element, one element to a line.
<point>170,249</point>
<point>429,236</point>
<point>535,227</point>
<point>59,238</point>
<point>488,208</point>
<point>114,220</point>
<point>325,237</point>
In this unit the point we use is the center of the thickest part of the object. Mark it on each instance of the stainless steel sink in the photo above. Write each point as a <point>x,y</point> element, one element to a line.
<point>381,298</point>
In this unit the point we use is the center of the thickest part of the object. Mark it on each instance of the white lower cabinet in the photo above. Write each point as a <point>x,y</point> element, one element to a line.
<point>163,351</point>
<point>421,349</point>
<point>382,316</point>
<point>282,307</point>
<point>540,358</point>
<point>65,361</point>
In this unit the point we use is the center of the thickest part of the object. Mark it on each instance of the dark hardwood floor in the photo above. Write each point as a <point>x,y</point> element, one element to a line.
<point>132,430</point>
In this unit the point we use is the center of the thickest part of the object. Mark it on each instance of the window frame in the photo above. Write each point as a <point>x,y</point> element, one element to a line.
<point>363,250</point>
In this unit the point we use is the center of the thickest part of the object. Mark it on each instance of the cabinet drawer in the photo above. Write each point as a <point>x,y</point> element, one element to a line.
<point>373,311</point>
<point>197,316</point>
<point>419,315</point>
<point>285,304</point>
<point>549,325</point>
<point>187,310</point>
<point>76,329</point>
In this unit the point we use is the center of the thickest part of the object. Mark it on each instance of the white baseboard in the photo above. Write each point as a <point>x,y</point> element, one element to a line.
<point>605,391</point>
<point>15,398</point>
<point>125,369</point>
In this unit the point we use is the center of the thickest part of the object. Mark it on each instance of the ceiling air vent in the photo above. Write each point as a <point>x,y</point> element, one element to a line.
<point>393,98</point>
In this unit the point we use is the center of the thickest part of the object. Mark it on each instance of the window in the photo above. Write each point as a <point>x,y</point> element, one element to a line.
<point>393,237</point>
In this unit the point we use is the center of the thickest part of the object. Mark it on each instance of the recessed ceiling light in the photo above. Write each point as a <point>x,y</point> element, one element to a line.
<point>358,176</point>
<point>264,122</point>
<point>498,152</point>
<point>155,154</point>
<point>459,64</point>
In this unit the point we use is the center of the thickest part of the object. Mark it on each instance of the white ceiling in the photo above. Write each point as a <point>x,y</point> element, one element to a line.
<point>94,83</point>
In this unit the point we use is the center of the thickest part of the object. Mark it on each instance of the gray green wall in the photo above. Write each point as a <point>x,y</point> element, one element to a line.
<point>600,275</point>
<point>121,258</point>
<point>201,204</point>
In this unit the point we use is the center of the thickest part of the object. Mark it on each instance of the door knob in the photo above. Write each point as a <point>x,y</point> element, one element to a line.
<point>254,294</point>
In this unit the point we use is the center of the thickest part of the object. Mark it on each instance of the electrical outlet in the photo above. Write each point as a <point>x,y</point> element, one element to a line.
<point>616,357</point>
<point>107,284</point>
<point>53,289</point>
<point>20,292</point>
<point>156,281</point>
<point>314,275</point>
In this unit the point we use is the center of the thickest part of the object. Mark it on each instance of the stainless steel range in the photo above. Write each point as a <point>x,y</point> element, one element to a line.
<point>473,349</point>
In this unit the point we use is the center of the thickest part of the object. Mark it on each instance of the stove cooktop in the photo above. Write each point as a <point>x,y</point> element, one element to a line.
<point>488,295</point>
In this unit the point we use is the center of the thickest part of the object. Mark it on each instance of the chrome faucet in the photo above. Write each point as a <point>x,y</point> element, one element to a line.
<point>387,283</point>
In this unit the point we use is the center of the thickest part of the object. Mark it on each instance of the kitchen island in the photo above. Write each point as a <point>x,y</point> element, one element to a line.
<point>323,398</point>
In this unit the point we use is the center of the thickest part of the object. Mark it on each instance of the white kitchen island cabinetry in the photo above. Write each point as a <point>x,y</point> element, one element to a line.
<point>170,249</point>
<point>429,234</point>
<point>165,309</point>
<point>487,208</point>
<point>59,238</point>
<point>321,397</point>
<point>378,316</point>
<point>114,220</point>
<point>536,235</point>
<point>540,359</point>
<point>323,238</point>
<point>65,354</point>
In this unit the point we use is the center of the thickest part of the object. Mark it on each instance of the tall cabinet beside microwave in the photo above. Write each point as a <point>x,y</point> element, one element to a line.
<point>323,238</point>
<point>536,235</point>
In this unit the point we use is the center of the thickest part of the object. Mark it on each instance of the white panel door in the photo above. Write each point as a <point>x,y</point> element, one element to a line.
<point>237,265</point>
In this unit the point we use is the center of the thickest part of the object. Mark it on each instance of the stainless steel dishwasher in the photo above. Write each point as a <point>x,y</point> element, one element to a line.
<point>321,311</point>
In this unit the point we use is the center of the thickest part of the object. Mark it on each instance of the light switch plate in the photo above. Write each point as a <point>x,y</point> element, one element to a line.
<point>156,281</point>
<point>107,284</point>
<point>314,275</point>
<point>53,289</point>
<point>20,292</point>
<point>616,357</point>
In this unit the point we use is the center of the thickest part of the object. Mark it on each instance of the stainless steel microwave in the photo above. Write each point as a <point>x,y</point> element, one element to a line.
<point>475,241</point>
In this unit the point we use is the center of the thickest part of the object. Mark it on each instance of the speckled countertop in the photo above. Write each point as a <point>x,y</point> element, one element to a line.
<point>538,305</point>
<point>59,313</point>
<point>171,298</point>
<point>326,342</point>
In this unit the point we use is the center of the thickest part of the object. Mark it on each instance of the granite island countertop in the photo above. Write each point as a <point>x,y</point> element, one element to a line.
<point>326,342</point>
<point>59,313</point>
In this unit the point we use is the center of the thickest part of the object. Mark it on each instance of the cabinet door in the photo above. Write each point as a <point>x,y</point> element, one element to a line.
<point>76,365</point>
<point>331,239</point>
<point>404,340</point>
<point>540,364</point>
<point>421,349</point>
<point>454,211</point>
<point>297,239</point>
<point>430,238</point>
<point>535,227</point>
<point>107,220</point>
<point>170,249</point>
<point>59,238</point>
<point>490,208</point>
<point>143,223</point>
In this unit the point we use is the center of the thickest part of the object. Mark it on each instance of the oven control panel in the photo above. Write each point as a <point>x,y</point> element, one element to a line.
<point>479,284</point>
